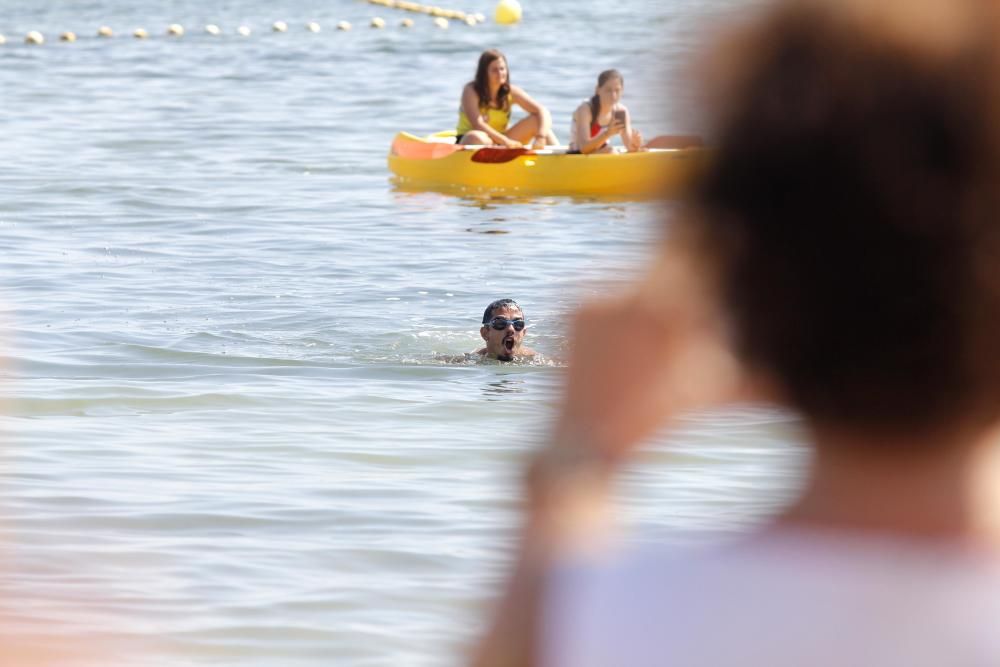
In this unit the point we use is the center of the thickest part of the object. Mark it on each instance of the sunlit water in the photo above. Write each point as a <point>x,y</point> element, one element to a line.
<point>227,436</point>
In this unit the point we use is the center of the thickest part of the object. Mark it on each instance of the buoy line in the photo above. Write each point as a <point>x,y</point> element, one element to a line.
<point>442,19</point>
<point>431,10</point>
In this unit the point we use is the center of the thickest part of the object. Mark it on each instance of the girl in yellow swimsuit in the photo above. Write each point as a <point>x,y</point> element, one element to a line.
<point>486,104</point>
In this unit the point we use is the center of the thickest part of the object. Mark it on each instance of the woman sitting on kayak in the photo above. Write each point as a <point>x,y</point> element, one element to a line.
<point>603,116</point>
<point>486,106</point>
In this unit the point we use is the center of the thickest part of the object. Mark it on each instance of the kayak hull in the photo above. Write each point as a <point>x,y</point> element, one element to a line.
<point>435,162</point>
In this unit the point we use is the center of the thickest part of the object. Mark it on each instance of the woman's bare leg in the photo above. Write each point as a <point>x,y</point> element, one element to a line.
<point>526,129</point>
<point>675,141</point>
<point>477,138</point>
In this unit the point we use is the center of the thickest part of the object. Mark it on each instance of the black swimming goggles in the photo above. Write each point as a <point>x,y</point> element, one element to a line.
<point>501,323</point>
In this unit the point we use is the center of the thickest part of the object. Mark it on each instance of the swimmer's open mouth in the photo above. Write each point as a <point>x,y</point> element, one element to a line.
<point>508,344</point>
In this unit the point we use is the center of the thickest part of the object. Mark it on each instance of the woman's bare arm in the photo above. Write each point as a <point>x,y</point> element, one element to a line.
<point>584,116</point>
<point>528,103</point>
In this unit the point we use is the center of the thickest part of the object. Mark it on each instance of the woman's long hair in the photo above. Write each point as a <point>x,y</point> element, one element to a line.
<point>482,80</point>
<point>595,101</point>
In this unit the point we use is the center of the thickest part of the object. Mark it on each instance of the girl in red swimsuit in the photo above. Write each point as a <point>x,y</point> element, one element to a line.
<point>602,117</point>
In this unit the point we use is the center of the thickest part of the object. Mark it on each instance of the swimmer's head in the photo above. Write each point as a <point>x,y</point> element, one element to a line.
<point>504,342</point>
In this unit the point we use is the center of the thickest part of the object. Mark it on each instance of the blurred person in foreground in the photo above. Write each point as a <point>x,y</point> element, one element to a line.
<point>841,256</point>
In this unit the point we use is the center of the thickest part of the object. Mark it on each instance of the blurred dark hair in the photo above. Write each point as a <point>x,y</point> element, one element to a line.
<point>499,303</point>
<point>851,208</point>
<point>482,81</point>
<point>602,78</point>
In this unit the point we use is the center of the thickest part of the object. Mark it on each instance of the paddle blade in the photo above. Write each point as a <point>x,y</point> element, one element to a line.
<point>499,154</point>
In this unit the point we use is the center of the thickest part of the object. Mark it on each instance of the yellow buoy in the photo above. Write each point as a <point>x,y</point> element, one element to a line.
<point>67,36</point>
<point>175,29</point>
<point>34,37</point>
<point>243,31</point>
<point>406,23</point>
<point>377,22</point>
<point>343,25</point>
<point>441,23</point>
<point>507,12</point>
<point>213,29</point>
<point>105,31</point>
<point>312,26</point>
<point>279,26</point>
<point>140,33</point>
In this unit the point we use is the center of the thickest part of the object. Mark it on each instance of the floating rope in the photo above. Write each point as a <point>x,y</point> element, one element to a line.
<point>442,20</point>
<point>431,10</point>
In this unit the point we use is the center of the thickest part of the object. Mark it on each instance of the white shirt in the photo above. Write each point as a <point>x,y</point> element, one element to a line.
<point>782,599</point>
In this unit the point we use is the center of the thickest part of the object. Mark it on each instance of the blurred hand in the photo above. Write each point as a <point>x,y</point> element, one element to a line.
<point>636,140</point>
<point>638,360</point>
<point>510,143</point>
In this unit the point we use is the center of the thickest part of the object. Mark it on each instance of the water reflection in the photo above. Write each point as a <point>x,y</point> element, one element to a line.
<point>473,230</point>
<point>498,389</point>
<point>488,199</point>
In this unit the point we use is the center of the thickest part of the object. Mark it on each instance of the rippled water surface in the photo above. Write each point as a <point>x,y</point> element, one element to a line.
<point>227,436</point>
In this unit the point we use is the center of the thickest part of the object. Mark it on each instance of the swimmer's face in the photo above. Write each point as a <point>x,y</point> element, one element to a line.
<point>497,71</point>
<point>506,343</point>
<point>611,92</point>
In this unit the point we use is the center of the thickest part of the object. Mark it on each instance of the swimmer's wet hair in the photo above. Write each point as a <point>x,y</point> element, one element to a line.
<point>499,303</point>
<point>851,211</point>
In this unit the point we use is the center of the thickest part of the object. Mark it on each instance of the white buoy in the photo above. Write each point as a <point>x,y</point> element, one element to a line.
<point>312,26</point>
<point>213,29</point>
<point>105,31</point>
<point>243,31</point>
<point>480,17</point>
<point>470,20</point>
<point>140,33</point>
<point>34,37</point>
<point>279,26</point>
<point>406,23</point>
<point>67,36</point>
<point>3,40</point>
<point>441,22</point>
<point>343,25</point>
<point>175,29</point>
<point>377,22</point>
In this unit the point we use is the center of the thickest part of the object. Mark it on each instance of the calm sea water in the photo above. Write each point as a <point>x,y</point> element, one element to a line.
<point>226,436</point>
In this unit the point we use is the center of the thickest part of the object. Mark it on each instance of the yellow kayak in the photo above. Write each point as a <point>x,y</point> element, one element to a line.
<point>436,162</point>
